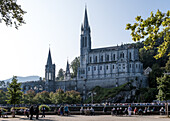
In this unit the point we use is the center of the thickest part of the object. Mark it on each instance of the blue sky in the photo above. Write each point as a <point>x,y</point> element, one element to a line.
<point>58,22</point>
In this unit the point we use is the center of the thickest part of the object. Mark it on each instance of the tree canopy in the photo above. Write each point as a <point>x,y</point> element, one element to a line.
<point>74,66</point>
<point>11,13</point>
<point>153,28</point>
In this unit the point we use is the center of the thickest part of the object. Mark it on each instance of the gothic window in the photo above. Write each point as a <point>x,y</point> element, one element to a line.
<point>90,59</point>
<point>107,57</point>
<point>123,66</point>
<point>102,58</point>
<point>113,66</point>
<point>95,68</point>
<point>107,67</point>
<point>49,76</point>
<point>100,67</point>
<point>96,59</point>
<point>85,42</point>
<point>119,66</point>
<point>82,41</point>
<point>136,66</point>
<point>113,56</point>
<point>130,56</point>
<point>88,68</point>
<point>122,55</point>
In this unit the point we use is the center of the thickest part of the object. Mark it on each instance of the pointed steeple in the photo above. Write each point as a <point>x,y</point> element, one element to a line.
<point>86,23</point>
<point>49,60</point>
<point>67,68</point>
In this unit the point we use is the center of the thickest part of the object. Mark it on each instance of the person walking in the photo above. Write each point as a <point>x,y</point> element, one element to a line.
<point>43,112</point>
<point>37,112</point>
<point>31,112</point>
<point>129,110</point>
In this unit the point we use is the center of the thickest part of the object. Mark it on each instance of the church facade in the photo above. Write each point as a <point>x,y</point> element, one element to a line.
<point>105,67</point>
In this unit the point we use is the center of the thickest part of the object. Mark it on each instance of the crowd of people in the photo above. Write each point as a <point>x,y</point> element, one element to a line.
<point>63,110</point>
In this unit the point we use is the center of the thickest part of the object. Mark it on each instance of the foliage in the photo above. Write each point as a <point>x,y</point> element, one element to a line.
<point>14,92</point>
<point>156,72</point>
<point>47,108</point>
<point>11,13</point>
<point>18,108</point>
<point>72,97</point>
<point>163,88</point>
<point>153,28</point>
<point>105,93</point>
<point>3,97</point>
<point>42,98</point>
<point>28,97</point>
<point>5,110</point>
<point>146,95</point>
<point>167,67</point>
<point>74,66</point>
<point>60,74</point>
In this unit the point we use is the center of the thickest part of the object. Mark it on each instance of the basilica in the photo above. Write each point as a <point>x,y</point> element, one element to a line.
<point>105,67</point>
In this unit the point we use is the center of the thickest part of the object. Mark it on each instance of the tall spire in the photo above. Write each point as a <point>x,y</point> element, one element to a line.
<point>67,68</point>
<point>49,60</point>
<point>86,23</point>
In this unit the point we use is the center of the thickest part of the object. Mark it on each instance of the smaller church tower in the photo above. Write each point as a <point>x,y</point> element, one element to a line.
<point>49,74</point>
<point>67,75</point>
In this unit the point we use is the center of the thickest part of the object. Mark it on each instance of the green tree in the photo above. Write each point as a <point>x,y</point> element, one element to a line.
<point>72,97</point>
<point>74,66</point>
<point>42,98</point>
<point>60,74</point>
<point>11,13</point>
<point>14,92</point>
<point>164,89</point>
<point>3,97</point>
<point>167,67</point>
<point>28,97</point>
<point>153,28</point>
<point>156,72</point>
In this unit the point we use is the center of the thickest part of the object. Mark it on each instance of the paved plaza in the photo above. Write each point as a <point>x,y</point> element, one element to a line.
<point>90,118</point>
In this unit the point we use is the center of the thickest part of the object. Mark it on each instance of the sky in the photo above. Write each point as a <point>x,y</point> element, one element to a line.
<point>57,24</point>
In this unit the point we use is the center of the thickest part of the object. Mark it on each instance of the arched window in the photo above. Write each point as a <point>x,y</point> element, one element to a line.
<point>85,44</point>
<point>96,59</point>
<point>82,41</point>
<point>123,55</point>
<point>90,59</point>
<point>130,56</point>
<point>101,58</point>
<point>113,66</point>
<point>113,56</point>
<point>107,57</point>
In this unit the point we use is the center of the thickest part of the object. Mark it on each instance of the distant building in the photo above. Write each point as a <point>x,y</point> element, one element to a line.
<point>147,71</point>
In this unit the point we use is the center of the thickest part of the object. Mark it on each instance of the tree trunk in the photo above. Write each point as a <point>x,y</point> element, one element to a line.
<point>13,112</point>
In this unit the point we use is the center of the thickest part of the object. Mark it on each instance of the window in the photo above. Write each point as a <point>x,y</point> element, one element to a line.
<point>136,66</point>
<point>113,56</point>
<point>90,59</point>
<point>130,56</point>
<point>96,59</point>
<point>100,67</point>
<point>88,68</point>
<point>113,66</point>
<point>85,42</point>
<point>107,67</point>
<point>123,55</point>
<point>82,44</point>
<point>94,68</point>
<point>107,57</point>
<point>102,58</point>
<point>130,65</point>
